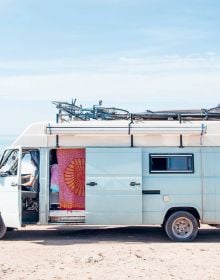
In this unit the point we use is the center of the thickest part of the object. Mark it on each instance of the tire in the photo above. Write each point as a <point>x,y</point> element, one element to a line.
<point>3,228</point>
<point>181,226</point>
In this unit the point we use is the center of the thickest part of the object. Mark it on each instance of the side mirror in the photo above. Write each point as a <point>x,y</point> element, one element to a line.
<point>3,174</point>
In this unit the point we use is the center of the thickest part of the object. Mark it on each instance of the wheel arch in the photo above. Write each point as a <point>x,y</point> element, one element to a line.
<point>1,218</point>
<point>3,228</point>
<point>191,210</point>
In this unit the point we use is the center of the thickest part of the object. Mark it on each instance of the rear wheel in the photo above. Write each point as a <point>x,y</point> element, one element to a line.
<point>181,226</point>
<point>3,228</point>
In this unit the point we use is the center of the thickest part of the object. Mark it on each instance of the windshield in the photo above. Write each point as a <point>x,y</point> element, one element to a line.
<point>9,162</point>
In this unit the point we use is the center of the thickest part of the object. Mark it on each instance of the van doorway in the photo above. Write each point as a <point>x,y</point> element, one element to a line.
<point>67,185</point>
<point>30,187</point>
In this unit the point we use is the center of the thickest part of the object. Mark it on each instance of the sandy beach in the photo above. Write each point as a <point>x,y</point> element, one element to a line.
<point>51,252</point>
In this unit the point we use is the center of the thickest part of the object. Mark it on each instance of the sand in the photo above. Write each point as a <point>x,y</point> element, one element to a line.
<point>51,252</point>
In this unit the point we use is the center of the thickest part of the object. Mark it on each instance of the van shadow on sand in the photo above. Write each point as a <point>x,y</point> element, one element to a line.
<point>69,235</point>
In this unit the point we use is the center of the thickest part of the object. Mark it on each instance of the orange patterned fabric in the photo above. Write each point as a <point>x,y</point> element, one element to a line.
<point>71,166</point>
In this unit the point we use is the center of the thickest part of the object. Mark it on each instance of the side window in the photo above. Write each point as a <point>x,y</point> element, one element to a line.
<point>30,170</point>
<point>171,163</point>
<point>26,164</point>
<point>30,162</point>
<point>9,163</point>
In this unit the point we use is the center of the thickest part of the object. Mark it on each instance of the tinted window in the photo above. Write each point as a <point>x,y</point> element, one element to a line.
<point>171,163</point>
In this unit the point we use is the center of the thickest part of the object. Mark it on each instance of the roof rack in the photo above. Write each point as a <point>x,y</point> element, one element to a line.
<point>70,111</point>
<point>202,114</point>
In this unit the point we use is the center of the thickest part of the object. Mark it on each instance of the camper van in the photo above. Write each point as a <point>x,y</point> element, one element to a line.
<point>114,172</point>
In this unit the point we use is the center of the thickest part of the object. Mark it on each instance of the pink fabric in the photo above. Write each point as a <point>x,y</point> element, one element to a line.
<point>54,174</point>
<point>71,172</point>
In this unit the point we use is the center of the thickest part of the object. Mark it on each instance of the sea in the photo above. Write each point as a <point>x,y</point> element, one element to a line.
<point>6,141</point>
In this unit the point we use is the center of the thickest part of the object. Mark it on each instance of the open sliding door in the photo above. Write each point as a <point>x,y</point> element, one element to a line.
<point>114,186</point>
<point>10,191</point>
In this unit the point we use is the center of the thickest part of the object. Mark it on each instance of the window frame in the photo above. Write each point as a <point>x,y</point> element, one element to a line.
<point>192,171</point>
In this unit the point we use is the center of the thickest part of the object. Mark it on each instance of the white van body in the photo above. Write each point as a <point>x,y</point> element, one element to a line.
<point>136,173</point>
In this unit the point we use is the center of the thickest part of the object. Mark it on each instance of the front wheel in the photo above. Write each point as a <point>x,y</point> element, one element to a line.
<point>181,226</point>
<point>3,228</point>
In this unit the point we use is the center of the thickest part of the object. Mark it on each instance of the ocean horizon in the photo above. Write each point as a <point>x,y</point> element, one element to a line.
<point>6,141</point>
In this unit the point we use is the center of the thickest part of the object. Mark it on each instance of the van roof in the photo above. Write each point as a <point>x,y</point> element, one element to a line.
<point>118,133</point>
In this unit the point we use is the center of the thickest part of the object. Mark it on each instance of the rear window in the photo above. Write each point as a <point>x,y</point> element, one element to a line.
<point>171,163</point>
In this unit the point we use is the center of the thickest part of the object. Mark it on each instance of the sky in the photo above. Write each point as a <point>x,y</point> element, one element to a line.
<point>134,54</point>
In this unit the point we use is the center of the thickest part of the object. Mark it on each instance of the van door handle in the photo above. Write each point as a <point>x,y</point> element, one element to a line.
<point>92,184</point>
<point>13,184</point>
<point>134,184</point>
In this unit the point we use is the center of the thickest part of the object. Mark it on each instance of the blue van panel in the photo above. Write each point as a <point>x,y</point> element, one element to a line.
<point>181,189</point>
<point>112,200</point>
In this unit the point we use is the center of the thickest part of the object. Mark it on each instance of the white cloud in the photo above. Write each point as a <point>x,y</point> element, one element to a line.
<point>166,90</point>
<point>125,64</point>
<point>133,83</point>
<point>137,82</point>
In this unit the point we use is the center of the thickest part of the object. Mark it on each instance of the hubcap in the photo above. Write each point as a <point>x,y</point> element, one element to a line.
<point>182,227</point>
